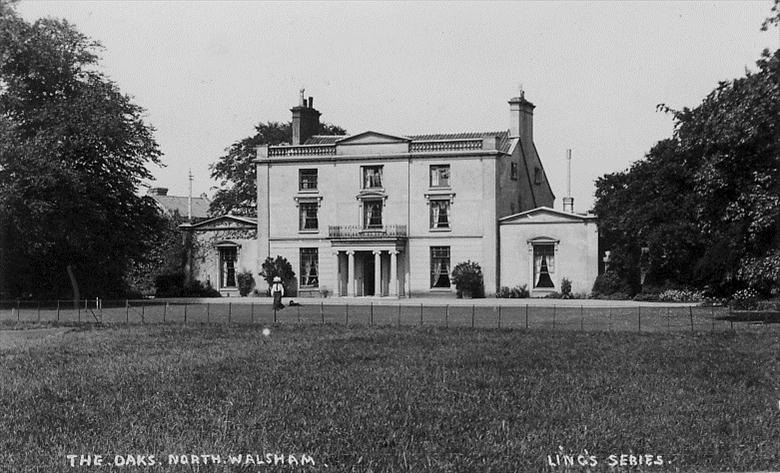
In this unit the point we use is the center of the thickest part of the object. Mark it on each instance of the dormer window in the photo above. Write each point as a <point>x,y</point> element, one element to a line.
<point>440,175</point>
<point>372,177</point>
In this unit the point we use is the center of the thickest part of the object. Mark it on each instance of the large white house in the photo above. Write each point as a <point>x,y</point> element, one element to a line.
<point>383,214</point>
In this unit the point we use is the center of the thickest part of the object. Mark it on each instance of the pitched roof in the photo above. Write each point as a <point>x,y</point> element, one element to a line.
<point>174,203</point>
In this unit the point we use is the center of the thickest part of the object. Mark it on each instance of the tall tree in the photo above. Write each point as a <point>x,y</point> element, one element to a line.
<point>73,152</point>
<point>706,203</point>
<point>235,171</point>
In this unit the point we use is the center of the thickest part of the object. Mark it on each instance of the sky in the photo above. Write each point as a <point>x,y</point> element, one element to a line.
<point>207,72</point>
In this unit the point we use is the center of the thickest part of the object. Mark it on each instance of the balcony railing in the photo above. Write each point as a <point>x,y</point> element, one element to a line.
<point>303,150</point>
<point>445,145</point>
<point>357,232</point>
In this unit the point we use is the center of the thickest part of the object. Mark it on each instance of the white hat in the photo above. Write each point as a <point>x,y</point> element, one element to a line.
<point>277,279</point>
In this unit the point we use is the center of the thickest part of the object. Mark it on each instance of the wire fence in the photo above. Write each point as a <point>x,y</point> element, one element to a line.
<point>583,318</point>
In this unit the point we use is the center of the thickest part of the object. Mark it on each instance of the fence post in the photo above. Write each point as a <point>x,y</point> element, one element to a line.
<point>18,311</point>
<point>690,311</point>
<point>731,320</point>
<point>712,314</point>
<point>274,312</point>
<point>399,314</point>
<point>58,310</point>
<point>668,319</point>
<point>230,311</point>
<point>127,311</point>
<point>208,312</point>
<point>39,311</point>
<point>322,313</point>
<point>499,316</point>
<point>610,318</point>
<point>79,314</point>
<point>143,313</point>
<point>639,318</point>
<point>421,315</point>
<point>446,316</point>
<point>581,319</point>
<point>371,314</point>
<point>526,316</point>
<point>473,309</point>
<point>165,312</point>
<point>554,314</point>
<point>346,314</point>
<point>299,314</point>
<point>185,312</point>
<point>251,312</point>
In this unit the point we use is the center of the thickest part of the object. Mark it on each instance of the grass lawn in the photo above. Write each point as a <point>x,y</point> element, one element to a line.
<point>389,399</point>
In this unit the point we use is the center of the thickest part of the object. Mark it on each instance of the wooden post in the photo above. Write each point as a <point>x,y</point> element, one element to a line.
<point>499,316</point>
<point>421,315</point>
<point>610,319</point>
<point>299,314</point>
<point>346,314</point>
<point>79,314</point>
<point>581,319</point>
<point>399,314</point>
<point>127,311</point>
<point>371,314</point>
<point>165,311</point>
<point>230,311</point>
<point>58,310</point>
<point>526,316</point>
<point>690,311</point>
<point>274,313</point>
<point>322,313</point>
<point>208,312</point>
<point>668,319</point>
<point>731,320</point>
<point>39,311</point>
<point>143,313</point>
<point>554,313</point>
<point>639,318</point>
<point>712,314</point>
<point>185,312</point>
<point>446,316</point>
<point>251,312</point>
<point>473,309</point>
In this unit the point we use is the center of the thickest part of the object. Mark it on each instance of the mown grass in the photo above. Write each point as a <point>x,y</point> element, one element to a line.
<point>388,399</point>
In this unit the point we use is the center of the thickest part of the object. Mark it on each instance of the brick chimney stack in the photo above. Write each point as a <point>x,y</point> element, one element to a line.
<point>521,119</point>
<point>305,120</point>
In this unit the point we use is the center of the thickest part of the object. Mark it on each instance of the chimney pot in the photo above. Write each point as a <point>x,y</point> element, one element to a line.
<point>311,102</point>
<point>305,121</point>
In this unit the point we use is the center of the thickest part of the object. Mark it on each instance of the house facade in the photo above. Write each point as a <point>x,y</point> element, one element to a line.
<point>376,214</point>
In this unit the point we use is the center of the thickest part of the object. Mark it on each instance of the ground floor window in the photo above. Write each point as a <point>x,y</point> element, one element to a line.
<point>227,265</point>
<point>544,265</point>
<point>310,274</point>
<point>440,266</point>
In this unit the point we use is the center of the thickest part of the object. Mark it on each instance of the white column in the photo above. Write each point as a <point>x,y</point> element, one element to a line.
<point>393,286</point>
<point>377,273</point>
<point>351,273</point>
<point>337,285</point>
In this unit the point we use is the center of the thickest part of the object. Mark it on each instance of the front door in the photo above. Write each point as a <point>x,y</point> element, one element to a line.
<point>368,275</point>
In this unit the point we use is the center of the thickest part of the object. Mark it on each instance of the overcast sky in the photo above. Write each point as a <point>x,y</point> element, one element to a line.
<point>208,72</point>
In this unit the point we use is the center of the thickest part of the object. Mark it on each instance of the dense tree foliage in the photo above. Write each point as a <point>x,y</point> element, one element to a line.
<point>73,152</point>
<point>235,171</point>
<point>706,203</point>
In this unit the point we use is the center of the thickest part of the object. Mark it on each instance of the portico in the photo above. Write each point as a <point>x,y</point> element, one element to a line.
<point>369,263</point>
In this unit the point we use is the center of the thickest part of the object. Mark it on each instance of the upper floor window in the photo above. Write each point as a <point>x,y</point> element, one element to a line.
<point>372,176</point>
<point>308,216</point>
<point>440,214</point>
<point>372,214</point>
<point>307,179</point>
<point>440,175</point>
<point>513,171</point>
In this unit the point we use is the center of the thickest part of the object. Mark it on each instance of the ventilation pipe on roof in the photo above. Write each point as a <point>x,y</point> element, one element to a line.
<point>568,201</point>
